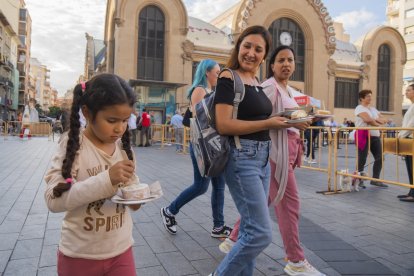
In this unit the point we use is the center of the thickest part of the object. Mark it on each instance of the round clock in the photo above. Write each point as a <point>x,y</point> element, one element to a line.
<point>285,38</point>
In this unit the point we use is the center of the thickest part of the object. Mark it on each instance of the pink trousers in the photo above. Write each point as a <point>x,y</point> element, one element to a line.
<point>287,211</point>
<point>119,265</point>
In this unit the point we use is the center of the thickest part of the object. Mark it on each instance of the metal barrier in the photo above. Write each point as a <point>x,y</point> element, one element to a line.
<point>165,135</point>
<point>17,128</point>
<point>330,140</point>
<point>322,139</point>
<point>390,145</point>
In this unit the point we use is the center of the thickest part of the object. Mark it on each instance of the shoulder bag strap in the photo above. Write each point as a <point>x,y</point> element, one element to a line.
<point>238,98</point>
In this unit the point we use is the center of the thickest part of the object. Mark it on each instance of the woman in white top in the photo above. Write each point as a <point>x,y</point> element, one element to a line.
<point>408,121</point>
<point>368,116</point>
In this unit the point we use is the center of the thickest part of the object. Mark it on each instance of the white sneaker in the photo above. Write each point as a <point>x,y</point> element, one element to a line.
<point>312,161</point>
<point>226,245</point>
<point>305,159</point>
<point>302,268</point>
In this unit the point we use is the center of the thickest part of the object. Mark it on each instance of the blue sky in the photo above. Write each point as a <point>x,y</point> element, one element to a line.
<point>358,16</point>
<point>59,42</point>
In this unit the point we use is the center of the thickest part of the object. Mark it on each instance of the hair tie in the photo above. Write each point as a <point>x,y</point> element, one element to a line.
<point>69,180</point>
<point>83,85</point>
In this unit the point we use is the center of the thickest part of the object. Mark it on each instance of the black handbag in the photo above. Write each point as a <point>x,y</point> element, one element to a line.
<point>187,116</point>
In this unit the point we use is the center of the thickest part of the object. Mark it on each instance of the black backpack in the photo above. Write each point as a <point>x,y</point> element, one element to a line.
<point>210,148</point>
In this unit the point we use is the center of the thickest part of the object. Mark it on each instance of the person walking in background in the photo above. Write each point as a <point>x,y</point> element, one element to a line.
<point>204,79</point>
<point>366,116</point>
<point>408,121</point>
<point>177,124</point>
<point>145,122</point>
<point>132,125</point>
<point>345,123</point>
<point>310,136</point>
<point>85,173</point>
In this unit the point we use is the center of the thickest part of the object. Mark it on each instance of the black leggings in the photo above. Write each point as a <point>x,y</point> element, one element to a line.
<point>376,150</point>
<point>409,164</point>
<point>315,133</point>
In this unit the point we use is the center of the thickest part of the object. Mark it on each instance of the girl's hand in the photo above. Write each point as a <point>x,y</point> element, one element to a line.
<point>121,172</point>
<point>277,122</point>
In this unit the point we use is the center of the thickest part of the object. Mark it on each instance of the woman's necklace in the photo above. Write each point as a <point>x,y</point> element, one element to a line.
<point>255,86</point>
<point>251,83</point>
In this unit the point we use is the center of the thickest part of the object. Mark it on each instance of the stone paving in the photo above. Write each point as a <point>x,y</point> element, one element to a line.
<point>365,233</point>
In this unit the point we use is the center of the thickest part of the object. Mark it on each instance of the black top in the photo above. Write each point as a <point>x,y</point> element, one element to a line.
<point>254,107</point>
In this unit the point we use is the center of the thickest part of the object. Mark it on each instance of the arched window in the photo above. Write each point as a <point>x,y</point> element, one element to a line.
<point>285,31</point>
<point>383,78</point>
<point>151,41</point>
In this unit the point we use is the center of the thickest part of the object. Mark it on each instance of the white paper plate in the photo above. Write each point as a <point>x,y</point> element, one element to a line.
<point>323,116</point>
<point>301,120</point>
<point>156,193</point>
<point>120,200</point>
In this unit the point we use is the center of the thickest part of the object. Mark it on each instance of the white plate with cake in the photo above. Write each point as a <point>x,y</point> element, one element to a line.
<point>300,120</point>
<point>323,114</point>
<point>138,193</point>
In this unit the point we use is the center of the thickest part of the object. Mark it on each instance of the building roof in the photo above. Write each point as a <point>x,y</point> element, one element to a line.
<point>347,53</point>
<point>225,20</point>
<point>204,34</point>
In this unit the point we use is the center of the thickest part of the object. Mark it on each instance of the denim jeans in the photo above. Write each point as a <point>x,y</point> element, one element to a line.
<point>198,188</point>
<point>247,176</point>
<point>376,150</point>
<point>178,134</point>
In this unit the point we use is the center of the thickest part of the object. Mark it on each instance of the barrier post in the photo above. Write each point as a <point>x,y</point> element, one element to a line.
<point>162,136</point>
<point>185,140</point>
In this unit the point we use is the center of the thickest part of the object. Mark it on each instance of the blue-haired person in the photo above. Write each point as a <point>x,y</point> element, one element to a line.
<point>205,79</point>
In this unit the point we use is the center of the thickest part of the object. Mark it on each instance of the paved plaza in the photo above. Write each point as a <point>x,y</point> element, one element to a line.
<point>364,233</point>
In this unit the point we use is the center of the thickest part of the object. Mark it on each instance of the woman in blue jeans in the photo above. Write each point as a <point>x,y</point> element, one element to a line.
<point>205,78</point>
<point>247,172</point>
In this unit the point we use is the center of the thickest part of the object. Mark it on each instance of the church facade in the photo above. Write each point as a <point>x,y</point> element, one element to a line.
<point>156,46</point>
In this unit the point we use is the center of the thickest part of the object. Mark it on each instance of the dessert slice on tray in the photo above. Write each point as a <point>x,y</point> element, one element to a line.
<point>138,193</point>
<point>295,115</point>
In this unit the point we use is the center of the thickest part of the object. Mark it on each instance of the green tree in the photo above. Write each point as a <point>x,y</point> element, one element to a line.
<point>54,111</point>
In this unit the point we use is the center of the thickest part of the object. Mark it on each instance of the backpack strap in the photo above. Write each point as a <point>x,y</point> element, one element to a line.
<point>238,98</point>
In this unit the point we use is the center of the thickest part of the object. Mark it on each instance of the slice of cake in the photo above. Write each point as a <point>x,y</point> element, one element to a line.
<point>136,191</point>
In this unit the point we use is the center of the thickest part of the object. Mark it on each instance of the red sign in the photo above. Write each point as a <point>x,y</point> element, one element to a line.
<point>302,100</point>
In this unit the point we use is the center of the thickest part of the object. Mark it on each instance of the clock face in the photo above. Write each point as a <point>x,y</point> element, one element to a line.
<point>285,39</point>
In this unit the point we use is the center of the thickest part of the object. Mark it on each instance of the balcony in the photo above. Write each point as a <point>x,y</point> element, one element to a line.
<point>22,87</point>
<point>22,69</point>
<point>21,100</point>
<point>6,82</point>
<point>9,66</point>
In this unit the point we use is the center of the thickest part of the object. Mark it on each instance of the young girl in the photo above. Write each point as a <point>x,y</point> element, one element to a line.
<point>89,165</point>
